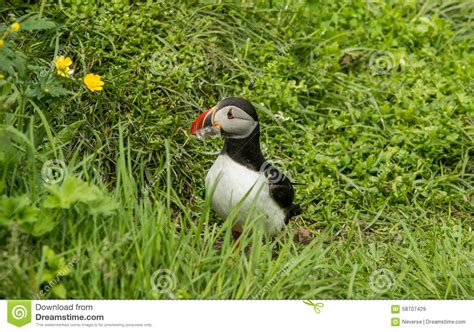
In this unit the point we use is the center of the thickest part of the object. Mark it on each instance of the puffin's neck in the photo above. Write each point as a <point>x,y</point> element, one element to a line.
<point>246,151</point>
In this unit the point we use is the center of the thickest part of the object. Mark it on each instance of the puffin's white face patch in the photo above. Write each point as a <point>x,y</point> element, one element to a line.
<point>234,122</point>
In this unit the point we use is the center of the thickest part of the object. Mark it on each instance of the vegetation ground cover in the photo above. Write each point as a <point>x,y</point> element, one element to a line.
<point>367,103</point>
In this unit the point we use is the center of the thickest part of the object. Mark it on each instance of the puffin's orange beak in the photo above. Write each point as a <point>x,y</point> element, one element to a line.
<point>205,120</point>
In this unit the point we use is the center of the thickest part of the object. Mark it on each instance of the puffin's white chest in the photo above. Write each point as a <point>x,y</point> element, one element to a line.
<point>236,184</point>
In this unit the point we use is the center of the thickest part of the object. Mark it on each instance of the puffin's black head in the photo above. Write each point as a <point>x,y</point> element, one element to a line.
<point>235,117</point>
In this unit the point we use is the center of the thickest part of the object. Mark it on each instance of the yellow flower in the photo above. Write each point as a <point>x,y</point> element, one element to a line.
<point>93,82</point>
<point>2,76</point>
<point>15,26</point>
<point>2,42</point>
<point>63,65</point>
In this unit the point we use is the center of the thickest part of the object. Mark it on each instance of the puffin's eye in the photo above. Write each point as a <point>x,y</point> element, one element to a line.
<point>230,115</point>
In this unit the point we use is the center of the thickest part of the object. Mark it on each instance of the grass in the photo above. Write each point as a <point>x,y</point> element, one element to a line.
<point>367,103</point>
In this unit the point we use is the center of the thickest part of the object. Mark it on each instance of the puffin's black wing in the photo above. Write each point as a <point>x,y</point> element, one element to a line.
<point>281,190</point>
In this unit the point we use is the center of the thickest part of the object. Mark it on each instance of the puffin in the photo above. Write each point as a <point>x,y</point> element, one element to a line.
<point>241,178</point>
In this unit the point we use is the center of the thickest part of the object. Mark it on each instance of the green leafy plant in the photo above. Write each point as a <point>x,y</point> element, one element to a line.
<point>75,191</point>
<point>54,270</point>
<point>17,210</point>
